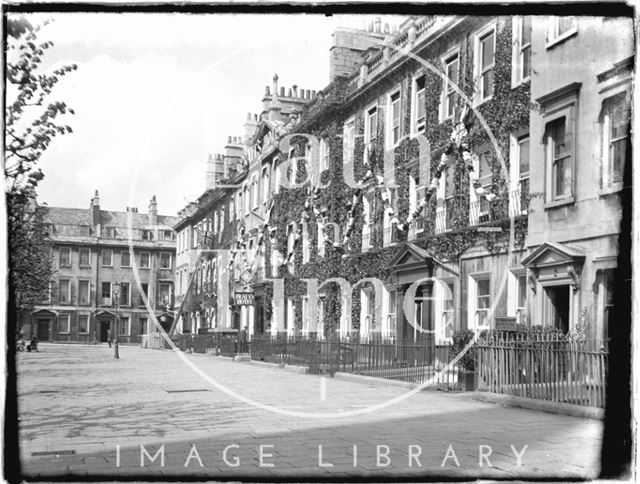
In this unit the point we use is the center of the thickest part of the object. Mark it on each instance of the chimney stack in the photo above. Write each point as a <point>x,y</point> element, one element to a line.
<point>95,209</point>
<point>153,211</point>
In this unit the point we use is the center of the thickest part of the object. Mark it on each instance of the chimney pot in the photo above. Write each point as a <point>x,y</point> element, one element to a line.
<point>295,90</point>
<point>229,140</point>
<point>282,91</point>
<point>255,117</point>
<point>308,94</point>
<point>386,28</point>
<point>313,94</point>
<point>289,92</point>
<point>248,116</point>
<point>378,22</point>
<point>266,91</point>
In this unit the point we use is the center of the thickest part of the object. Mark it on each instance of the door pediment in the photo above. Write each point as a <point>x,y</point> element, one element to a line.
<point>554,254</point>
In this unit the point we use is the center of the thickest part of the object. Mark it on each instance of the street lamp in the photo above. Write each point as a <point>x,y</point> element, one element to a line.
<point>116,293</point>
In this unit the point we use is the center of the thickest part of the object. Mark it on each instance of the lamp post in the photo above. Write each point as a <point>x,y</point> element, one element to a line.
<point>116,294</point>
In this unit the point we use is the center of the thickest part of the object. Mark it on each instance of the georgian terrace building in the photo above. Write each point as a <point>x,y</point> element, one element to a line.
<point>389,92</point>
<point>91,255</point>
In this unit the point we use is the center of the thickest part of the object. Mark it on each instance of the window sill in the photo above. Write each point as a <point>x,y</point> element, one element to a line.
<point>612,190</point>
<point>125,267</point>
<point>145,267</point>
<point>552,43</point>
<point>103,265</point>
<point>477,103</point>
<point>64,332</point>
<point>517,84</point>
<point>65,266</point>
<point>84,266</point>
<point>559,203</point>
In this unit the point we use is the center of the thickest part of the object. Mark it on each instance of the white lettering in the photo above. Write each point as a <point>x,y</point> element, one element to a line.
<point>482,455</point>
<point>414,455</point>
<point>263,455</point>
<point>450,455</point>
<point>519,455</point>
<point>236,460</point>
<point>379,455</point>
<point>193,454</point>
<point>320,461</point>
<point>144,452</point>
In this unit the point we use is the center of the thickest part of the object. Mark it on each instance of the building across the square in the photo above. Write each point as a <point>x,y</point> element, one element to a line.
<point>547,139</point>
<point>93,261</point>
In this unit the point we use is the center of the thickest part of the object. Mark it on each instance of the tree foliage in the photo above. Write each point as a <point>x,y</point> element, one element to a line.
<point>32,120</point>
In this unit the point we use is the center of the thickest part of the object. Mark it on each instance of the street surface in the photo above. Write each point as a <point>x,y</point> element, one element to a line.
<point>82,412</point>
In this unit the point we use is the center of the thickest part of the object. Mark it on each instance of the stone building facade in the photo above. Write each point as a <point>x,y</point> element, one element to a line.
<point>481,240</point>
<point>91,254</point>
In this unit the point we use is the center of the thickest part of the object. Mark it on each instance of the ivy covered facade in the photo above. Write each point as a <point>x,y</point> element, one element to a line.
<point>412,170</point>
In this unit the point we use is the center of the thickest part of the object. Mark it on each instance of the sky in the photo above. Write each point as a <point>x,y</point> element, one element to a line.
<point>154,94</point>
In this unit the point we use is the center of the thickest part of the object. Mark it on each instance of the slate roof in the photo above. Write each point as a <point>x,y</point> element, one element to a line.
<point>82,216</point>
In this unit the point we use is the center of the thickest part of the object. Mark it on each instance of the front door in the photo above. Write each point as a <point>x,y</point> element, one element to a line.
<point>258,315</point>
<point>558,306</point>
<point>42,330</point>
<point>104,328</point>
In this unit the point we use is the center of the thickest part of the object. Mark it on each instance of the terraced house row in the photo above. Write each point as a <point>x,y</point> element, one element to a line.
<point>523,231</point>
<point>96,274</point>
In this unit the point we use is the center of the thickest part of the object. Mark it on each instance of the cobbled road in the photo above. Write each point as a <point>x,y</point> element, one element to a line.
<point>150,413</point>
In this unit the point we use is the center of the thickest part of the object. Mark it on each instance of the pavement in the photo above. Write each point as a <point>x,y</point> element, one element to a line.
<point>155,413</point>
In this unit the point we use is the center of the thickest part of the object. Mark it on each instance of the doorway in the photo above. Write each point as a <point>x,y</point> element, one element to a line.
<point>558,306</point>
<point>104,328</point>
<point>42,329</point>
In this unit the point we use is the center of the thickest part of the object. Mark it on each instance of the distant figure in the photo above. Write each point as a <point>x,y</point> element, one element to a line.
<point>243,340</point>
<point>109,337</point>
<point>20,345</point>
<point>95,337</point>
<point>33,344</point>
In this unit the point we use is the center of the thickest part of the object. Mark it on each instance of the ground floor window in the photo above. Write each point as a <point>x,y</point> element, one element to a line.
<point>143,325</point>
<point>483,301</point>
<point>124,326</point>
<point>83,324</point>
<point>63,323</point>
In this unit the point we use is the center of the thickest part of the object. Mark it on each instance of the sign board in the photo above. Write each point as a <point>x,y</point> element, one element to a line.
<point>246,276</point>
<point>244,298</point>
<point>505,324</point>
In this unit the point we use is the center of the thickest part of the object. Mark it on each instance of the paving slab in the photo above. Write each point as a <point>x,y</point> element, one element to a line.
<point>110,411</point>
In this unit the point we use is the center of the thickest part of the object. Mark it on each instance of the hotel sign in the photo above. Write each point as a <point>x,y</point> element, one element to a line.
<point>244,298</point>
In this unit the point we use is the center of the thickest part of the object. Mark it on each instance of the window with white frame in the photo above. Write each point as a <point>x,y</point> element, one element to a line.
<point>247,200</point>
<point>560,28</point>
<point>83,324</point>
<point>367,303</point>
<point>106,293</point>
<point>143,325</point>
<point>289,323</point>
<point>321,239</point>
<point>348,141</point>
<point>85,257</point>
<point>277,175</point>
<point>145,260</point>
<point>291,238</point>
<point>614,121</point>
<point>306,244</point>
<point>144,290</point>
<point>63,324</point>
<point>448,311</point>
<point>239,204</point>
<point>393,120</point>
<point>367,223</point>
<point>164,293</point>
<point>275,263</point>
<point>484,60</point>
<point>482,301</point>
<point>125,259</point>
<point>451,66</point>
<point>387,226</point>
<point>125,327</point>
<point>107,258</point>
<point>265,184</point>
<point>559,155</point>
<point>125,293</point>
<point>64,291</point>
<point>232,209</point>
<point>521,57</point>
<point>65,257</point>
<point>413,193</point>
<point>370,124</point>
<point>84,292</point>
<point>254,193</point>
<point>324,154</point>
<point>165,260</point>
<point>481,206</point>
<point>519,173</point>
<point>445,199</point>
<point>293,166</point>
<point>418,104</point>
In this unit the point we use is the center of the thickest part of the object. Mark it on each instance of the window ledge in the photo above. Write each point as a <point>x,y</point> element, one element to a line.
<point>612,190</point>
<point>552,43</point>
<point>477,102</point>
<point>517,84</point>
<point>84,266</point>
<point>559,203</point>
